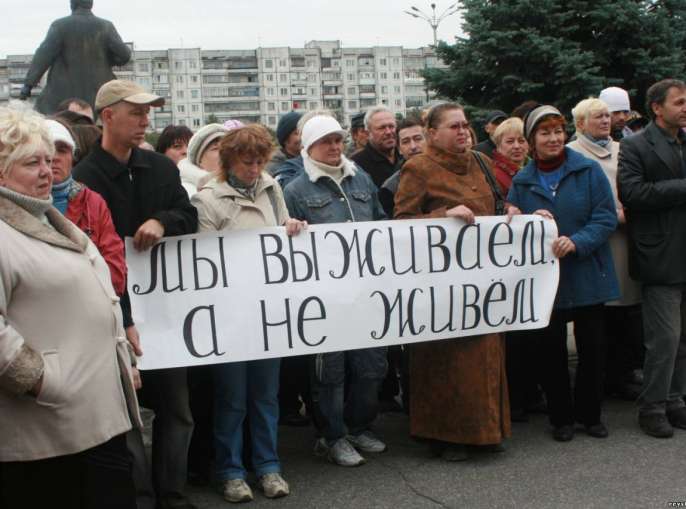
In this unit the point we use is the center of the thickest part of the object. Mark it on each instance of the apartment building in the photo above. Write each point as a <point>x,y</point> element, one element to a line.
<point>261,85</point>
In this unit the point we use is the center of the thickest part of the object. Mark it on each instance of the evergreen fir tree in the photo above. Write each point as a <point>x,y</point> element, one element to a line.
<point>560,51</point>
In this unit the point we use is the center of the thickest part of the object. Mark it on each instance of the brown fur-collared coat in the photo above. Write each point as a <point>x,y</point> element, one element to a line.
<point>458,392</point>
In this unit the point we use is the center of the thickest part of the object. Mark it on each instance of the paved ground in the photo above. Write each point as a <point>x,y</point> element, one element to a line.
<point>628,469</point>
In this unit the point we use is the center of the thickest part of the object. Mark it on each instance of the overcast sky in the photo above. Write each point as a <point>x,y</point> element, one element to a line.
<point>234,24</point>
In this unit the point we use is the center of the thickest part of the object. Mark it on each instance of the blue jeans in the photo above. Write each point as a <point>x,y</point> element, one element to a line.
<point>246,389</point>
<point>366,369</point>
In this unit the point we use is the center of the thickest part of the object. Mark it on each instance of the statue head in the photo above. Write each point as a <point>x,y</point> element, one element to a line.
<point>81,4</point>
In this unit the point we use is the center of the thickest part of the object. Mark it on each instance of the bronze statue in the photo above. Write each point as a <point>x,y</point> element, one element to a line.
<point>80,51</point>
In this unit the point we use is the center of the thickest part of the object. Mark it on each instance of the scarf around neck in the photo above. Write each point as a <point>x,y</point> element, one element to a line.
<point>603,142</point>
<point>34,206</point>
<point>247,190</point>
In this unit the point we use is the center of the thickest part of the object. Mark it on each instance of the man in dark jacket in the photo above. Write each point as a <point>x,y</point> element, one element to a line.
<point>80,51</point>
<point>144,193</point>
<point>652,186</point>
<point>380,157</point>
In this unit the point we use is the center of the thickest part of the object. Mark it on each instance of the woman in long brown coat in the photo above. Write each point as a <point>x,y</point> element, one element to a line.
<point>458,392</point>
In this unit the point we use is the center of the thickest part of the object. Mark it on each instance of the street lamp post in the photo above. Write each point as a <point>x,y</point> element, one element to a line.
<point>433,19</point>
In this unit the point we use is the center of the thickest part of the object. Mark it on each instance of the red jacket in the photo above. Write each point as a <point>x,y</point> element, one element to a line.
<point>89,212</point>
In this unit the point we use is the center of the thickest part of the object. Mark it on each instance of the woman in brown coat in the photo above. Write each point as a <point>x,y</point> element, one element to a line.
<point>458,393</point>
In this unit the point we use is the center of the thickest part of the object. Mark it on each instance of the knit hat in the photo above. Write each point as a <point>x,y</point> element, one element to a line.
<point>617,99</point>
<point>287,124</point>
<point>535,116</point>
<point>58,132</point>
<point>202,139</point>
<point>317,127</point>
<point>232,124</point>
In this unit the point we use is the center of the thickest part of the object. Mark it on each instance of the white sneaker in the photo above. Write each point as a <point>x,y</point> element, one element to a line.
<point>273,485</point>
<point>237,490</point>
<point>344,454</point>
<point>367,442</point>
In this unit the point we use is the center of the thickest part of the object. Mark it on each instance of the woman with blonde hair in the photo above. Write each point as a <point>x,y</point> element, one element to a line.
<point>510,154</point>
<point>66,386</point>
<point>623,318</point>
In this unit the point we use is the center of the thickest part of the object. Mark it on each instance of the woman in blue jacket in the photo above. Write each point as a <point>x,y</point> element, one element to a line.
<point>573,190</point>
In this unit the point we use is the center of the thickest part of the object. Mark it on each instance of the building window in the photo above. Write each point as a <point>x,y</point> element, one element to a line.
<point>384,75</point>
<point>396,61</point>
<point>193,64</point>
<point>351,77</point>
<point>270,77</point>
<point>195,108</point>
<point>272,120</point>
<point>283,63</point>
<point>181,108</point>
<point>179,79</point>
<point>314,105</point>
<point>270,91</point>
<point>196,122</point>
<point>284,106</point>
<point>313,91</point>
<point>182,122</point>
<point>384,90</point>
<point>179,94</point>
<point>178,65</point>
<point>194,79</point>
<point>398,103</point>
<point>268,64</point>
<point>396,89</point>
<point>352,105</point>
<point>396,75</point>
<point>143,67</point>
<point>271,106</point>
<point>350,62</point>
<point>195,94</point>
<point>284,91</point>
<point>283,77</point>
<point>382,61</point>
<point>351,90</point>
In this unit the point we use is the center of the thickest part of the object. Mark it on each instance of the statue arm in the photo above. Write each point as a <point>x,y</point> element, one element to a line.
<point>45,55</point>
<point>119,52</point>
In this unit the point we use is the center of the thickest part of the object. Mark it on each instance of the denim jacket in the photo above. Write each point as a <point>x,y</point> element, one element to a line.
<point>316,198</point>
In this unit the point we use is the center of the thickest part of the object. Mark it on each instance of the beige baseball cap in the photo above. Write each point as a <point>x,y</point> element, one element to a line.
<point>115,91</point>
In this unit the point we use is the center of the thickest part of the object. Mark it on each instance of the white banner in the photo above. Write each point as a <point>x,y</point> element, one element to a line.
<point>252,294</point>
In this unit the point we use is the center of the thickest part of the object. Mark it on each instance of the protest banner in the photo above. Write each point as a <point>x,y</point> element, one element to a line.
<point>250,294</point>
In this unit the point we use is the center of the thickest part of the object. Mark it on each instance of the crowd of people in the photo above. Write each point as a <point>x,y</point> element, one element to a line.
<point>71,191</point>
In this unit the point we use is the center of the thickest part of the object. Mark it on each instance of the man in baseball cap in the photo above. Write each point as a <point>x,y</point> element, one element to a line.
<point>115,91</point>
<point>144,194</point>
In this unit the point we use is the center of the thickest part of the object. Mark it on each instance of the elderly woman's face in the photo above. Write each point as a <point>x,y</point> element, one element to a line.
<point>549,141</point>
<point>514,146</point>
<point>31,176</point>
<point>328,149</point>
<point>452,132</point>
<point>209,160</point>
<point>597,124</point>
<point>247,168</point>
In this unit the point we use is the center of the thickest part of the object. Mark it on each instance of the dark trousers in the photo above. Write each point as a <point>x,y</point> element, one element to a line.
<point>624,331</point>
<point>201,400</point>
<point>165,391</point>
<point>294,383</point>
<point>522,380</point>
<point>98,478</point>
<point>552,358</point>
<point>664,371</point>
